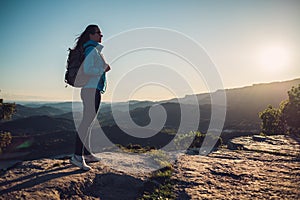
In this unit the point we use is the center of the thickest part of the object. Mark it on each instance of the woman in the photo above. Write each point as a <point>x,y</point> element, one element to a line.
<point>95,66</point>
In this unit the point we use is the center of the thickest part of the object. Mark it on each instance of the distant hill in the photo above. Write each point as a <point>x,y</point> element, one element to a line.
<point>173,110</point>
<point>243,106</point>
<point>25,111</point>
<point>37,125</point>
<point>245,103</point>
<point>262,94</point>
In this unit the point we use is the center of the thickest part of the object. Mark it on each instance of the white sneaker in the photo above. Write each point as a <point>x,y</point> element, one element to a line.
<point>80,162</point>
<point>91,158</point>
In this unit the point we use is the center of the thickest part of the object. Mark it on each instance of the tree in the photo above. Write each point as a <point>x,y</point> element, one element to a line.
<point>6,111</point>
<point>5,140</point>
<point>272,122</point>
<point>286,118</point>
<point>291,110</point>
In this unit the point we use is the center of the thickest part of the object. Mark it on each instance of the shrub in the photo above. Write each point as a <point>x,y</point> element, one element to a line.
<point>6,111</point>
<point>183,141</point>
<point>286,118</point>
<point>5,140</point>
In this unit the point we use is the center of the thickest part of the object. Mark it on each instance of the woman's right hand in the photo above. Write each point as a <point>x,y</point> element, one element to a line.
<point>107,68</point>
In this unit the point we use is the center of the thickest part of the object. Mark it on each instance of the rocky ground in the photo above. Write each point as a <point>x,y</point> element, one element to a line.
<point>259,170</point>
<point>115,177</point>
<point>268,169</point>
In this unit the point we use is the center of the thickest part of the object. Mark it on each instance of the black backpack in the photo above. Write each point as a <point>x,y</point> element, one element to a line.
<point>74,75</point>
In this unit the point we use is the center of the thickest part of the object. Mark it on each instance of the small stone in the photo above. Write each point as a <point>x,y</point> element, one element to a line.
<point>259,138</point>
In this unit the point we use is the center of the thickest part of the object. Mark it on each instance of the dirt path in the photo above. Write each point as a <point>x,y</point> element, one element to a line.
<point>57,179</point>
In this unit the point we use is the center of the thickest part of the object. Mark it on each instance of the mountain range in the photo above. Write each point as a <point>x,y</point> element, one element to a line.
<point>52,123</point>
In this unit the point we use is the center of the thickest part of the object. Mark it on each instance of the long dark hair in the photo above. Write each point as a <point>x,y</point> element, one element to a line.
<point>84,36</point>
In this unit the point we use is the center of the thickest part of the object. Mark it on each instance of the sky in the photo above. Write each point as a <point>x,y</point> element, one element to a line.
<point>248,42</point>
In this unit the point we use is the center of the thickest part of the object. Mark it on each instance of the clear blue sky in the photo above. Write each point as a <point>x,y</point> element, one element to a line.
<point>249,41</point>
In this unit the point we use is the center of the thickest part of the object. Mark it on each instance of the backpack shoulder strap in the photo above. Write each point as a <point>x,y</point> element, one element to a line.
<point>86,47</point>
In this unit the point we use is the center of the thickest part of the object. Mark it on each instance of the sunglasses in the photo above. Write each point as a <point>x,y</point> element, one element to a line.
<point>99,33</point>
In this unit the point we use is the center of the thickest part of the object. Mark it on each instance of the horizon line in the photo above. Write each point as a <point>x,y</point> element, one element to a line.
<point>41,100</point>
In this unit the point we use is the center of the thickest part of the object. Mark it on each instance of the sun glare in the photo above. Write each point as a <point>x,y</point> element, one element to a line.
<point>274,58</point>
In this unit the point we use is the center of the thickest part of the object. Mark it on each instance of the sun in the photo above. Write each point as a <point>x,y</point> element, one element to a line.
<point>274,57</point>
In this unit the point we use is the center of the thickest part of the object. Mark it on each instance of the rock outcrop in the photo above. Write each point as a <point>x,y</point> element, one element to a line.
<point>259,170</point>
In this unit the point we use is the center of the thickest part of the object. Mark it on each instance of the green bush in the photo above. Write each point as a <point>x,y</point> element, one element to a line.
<point>272,122</point>
<point>183,141</point>
<point>6,111</point>
<point>286,118</point>
<point>291,111</point>
<point>5,140</point>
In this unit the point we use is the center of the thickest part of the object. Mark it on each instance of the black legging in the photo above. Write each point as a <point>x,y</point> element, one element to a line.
<point>91,99</point>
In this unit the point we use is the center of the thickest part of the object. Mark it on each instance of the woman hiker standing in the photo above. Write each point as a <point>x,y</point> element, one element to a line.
<point>95,66</point>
